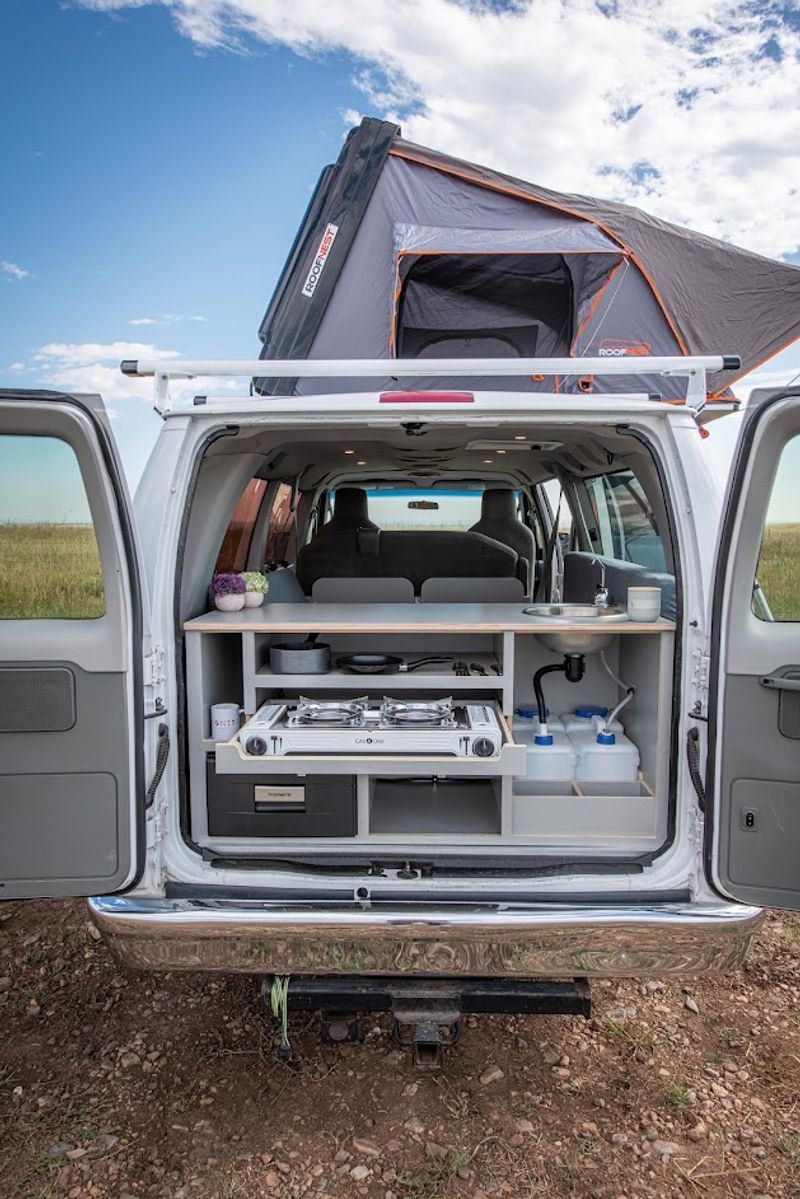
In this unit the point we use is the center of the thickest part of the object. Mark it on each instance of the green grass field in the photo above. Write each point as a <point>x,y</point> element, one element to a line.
<point>49,571</point>
<point>779,570</point>
<point>54,571</point>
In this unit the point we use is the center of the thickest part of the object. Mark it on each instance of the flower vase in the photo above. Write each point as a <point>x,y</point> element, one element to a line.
<point>229,603</point>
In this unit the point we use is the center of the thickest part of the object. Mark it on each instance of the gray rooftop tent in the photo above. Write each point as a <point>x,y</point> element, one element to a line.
<point>406,252</point>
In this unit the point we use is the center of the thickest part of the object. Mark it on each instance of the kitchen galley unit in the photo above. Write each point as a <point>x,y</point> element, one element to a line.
<point>434,730</point>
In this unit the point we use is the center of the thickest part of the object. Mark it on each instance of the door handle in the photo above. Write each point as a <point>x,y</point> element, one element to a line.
<point>782,682</point>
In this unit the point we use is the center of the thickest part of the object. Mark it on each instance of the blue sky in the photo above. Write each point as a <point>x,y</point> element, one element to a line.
<point>158,154</point>
<point>148,180</point>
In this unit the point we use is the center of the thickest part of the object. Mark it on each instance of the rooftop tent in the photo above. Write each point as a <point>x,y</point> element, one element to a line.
<point>407,252</point>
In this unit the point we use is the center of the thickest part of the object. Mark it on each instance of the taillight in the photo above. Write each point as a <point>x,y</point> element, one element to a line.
<point>427,397</point>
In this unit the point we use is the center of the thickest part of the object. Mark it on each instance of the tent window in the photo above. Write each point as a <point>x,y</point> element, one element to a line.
<point>484,306</point>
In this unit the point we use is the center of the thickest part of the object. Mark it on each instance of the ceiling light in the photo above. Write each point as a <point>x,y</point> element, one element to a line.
<point>361,462</point>
<point>488,461</point>
<point>520,437</point>
<point>500,451</point>
<point>349,451</point>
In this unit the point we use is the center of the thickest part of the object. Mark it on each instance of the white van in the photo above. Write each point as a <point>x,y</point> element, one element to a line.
<point>386,825</point>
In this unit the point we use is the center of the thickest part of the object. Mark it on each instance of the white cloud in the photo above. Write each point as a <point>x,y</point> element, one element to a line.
<point>167,318</point>
<point>70,353</point>
<point>94,367</point>
<point>16,367</point>
<point>12,270</point>
<point>690,111</point>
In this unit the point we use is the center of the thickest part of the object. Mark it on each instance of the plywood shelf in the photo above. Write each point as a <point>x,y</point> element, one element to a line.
<point>427,678</point>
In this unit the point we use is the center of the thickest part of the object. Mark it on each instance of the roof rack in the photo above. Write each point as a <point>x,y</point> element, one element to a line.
<point>693,369</point>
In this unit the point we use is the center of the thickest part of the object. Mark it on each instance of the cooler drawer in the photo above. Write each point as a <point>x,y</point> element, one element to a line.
<point>280,805</point>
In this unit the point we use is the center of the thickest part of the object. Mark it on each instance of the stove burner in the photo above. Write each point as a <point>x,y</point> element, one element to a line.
<point>430,712</point>
<point>328,712</point>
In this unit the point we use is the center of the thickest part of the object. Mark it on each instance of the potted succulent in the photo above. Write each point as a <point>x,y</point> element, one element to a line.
<point>257,587</point>
<point>229,592</point>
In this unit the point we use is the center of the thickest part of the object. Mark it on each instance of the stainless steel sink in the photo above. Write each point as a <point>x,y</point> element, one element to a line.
<point>563,639</point>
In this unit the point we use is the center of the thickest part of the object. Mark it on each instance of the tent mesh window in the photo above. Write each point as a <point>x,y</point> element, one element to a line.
<point>484,306</point>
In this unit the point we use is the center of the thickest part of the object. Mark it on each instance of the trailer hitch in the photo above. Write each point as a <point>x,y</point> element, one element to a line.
<point>428,1032</point>
<point>428,1012</point>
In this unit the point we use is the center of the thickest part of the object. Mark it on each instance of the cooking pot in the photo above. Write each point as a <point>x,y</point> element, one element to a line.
<point>300,657</point>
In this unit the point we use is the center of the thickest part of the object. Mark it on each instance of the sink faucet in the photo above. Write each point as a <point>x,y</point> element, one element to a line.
<point>601,596</point>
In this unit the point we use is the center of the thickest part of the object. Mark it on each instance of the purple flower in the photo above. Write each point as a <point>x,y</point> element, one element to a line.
<point>228,585</point>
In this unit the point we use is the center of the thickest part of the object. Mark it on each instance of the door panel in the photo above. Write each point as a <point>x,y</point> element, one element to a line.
<point>754,711</point>
<point>71,793</point>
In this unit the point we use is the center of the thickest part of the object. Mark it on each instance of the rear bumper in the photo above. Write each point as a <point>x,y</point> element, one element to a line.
<point>546,942</point>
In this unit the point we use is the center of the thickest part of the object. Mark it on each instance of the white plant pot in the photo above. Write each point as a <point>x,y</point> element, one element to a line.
<point>253,599</point>
<point>229,603</point>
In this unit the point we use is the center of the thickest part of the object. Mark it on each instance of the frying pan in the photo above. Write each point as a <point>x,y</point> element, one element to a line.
<point>383,663</point>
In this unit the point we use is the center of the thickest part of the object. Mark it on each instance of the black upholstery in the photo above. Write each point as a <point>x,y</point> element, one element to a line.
<point>350,511</point>
<point>351,546</point>
<point>422,555</point>
<point>582,573</point>
<point>337,549</point>
<point>499,520</point>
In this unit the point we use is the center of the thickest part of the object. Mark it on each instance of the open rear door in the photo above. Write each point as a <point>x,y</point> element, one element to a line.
<point>71,793</point>
<point>753,791</point>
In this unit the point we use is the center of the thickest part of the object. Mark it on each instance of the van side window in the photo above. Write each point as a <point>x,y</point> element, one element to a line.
<point>280,525</point>
<point>623,525</point>
<point>49,560</point>
<point>235,546</point>
<point>776,589</point>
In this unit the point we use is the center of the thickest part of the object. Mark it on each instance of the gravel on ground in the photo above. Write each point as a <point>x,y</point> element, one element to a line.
<point>119,1085</point>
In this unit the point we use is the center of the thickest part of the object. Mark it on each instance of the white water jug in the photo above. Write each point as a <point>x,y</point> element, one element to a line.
<point>605,758</point>
<point>551,758</point>
<point>584,718</point>
<point>525,723</point>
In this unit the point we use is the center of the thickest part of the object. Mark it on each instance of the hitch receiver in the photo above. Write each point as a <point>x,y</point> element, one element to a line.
<point>427,1012</point>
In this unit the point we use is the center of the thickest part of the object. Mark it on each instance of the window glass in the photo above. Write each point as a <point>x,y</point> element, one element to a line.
<point>280,526</point>
<point>235,547</point>
<point>49,560</point>
<point>623,525</point>
<point>414,509</point>
<point>776,594</point>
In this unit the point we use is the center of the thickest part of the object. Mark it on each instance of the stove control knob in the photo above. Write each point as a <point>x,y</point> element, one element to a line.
<point>256,746</point>
<point>482,747</point>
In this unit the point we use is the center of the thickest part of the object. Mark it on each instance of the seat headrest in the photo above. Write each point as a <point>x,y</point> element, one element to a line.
<point>350,507</point>
<point>498,503</point>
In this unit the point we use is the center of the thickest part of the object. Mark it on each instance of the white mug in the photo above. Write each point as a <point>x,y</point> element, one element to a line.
<point>644,603</point>
<point>224,721</point>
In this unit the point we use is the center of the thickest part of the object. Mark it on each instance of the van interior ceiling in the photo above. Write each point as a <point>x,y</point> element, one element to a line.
<point>348,521</point>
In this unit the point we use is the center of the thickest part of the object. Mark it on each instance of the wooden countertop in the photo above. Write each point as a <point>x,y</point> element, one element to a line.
<point>399,618</point>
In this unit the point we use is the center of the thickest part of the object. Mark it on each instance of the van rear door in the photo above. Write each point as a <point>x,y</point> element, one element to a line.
<point>71,719</point>
<point>753,780</point>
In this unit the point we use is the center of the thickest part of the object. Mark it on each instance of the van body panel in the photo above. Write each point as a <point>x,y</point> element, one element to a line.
<point>753,836</point>
<point>307,932</point>
<point>72,813</point>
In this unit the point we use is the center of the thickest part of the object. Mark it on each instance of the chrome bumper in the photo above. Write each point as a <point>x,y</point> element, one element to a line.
<point>543,942</point>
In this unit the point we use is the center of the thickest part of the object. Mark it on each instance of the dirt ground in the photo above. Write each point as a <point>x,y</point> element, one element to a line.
<point>116,1085</point>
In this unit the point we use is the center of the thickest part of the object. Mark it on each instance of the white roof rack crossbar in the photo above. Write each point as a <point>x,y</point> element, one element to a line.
<point>692,368</point>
